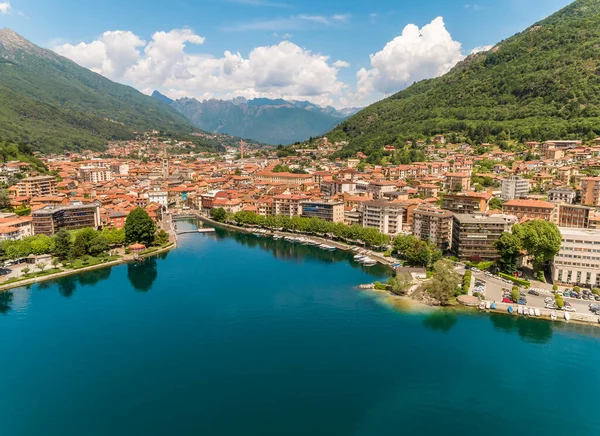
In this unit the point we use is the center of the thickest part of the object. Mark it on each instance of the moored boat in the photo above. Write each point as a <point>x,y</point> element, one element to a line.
<point>553,315</point>
<point>510,310</point>
<point>482,305</point>
<point>567,316</point>
<point>493,306</point>
<point>538,312</point>
<point>488,305</point>
<point>520,310</point>
<point>526,311</point>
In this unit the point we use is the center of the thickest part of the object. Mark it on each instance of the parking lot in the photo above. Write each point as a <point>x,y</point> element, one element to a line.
<point>494,287</point>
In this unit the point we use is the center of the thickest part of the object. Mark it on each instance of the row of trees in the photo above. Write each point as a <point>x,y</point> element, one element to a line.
<point>354,233</point>
<point>539,239</point>
<point>416,252</point>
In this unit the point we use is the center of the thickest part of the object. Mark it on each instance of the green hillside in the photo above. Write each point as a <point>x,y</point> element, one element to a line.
<point>541,84</point>
<point>54,104</point>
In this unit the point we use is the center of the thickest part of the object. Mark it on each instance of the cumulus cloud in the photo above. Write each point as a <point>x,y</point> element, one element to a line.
<point>5,8</point>
<point>415,55</point>
<point>481,48</point>
<point>281,70</point>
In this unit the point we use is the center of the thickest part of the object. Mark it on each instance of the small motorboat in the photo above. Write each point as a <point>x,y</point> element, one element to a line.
<point>482,305</point>
<point>553,315</point>
<point>359,257</point>
<point>567,316</point>
<point>493,306</point>
<point>367,261</point>
<point>276,237</point>
<point>520,310</point>
<point>538,312</point>
<point>526,311</point>
<point>510,310</point>
<point>488,305</point>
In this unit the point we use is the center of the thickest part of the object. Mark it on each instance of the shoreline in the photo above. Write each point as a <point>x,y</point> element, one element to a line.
<point>65,273</point>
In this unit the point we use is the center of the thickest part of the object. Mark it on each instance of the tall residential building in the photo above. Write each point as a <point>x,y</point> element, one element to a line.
<point>578,260</point>
<point>468,202</point>
<point>92,174</point>
<point>514,187</point>
<point>120,168</point>
<point>574,215</point>
<point>332,211</point>
<point>40,186</point>
<point>458,182</point>
<point>474,235</point>
<point>590,191</point>
<point>532,209</point>
<point>434,225</point>
<point>287,204</point>
<point>51,219</point>
<point>384,216</point>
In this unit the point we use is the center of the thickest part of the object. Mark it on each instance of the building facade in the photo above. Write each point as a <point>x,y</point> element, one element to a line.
<point>384,216</point>
<point>51,219</point>
<point>562,195</point>
<point>465,203</point>
<point>40,186</point>
<point>574,215</point>
<point>433,225</point>
<point>578,260</point>
<point>92,174</point>
<point>475,235</point>
<point>332,211</point>
<point>531,209</point>
<point>590,191</point>
<point>514,187</point>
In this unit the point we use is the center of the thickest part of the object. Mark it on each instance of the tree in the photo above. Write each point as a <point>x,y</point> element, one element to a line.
<point>555,287</point>
<point>495,204</point>
<point>444,282</point>
<point>400,283</point>
<point>98,245</point>
<point>5,200</point>
<point>139,227</point>
<point>41,266</point>
<point>114,236</point>
<point>218,214</point>
<point>79,248</point>
<point>55,262</point>
<point>62,244</point>
<point>541,239</point>
<point>26,270</point>
<point>515,294</point>
<point>161,238</point>
<point>508,246</point>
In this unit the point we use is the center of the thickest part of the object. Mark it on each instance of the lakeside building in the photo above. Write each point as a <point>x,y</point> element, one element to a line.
<point>159,197</point>
<point>51,219</point>
<point>474,235</point>
<point>434,225</point>
<point>290,178</point>
<point>514,187</point>
<point>22,223</point>
<point>531,209</point>
<point>287,204</point>
<point>590,191</point>
<point>578,260</point>
<point>332,211</point>
<point>384,216</point>
<point>39,186</point>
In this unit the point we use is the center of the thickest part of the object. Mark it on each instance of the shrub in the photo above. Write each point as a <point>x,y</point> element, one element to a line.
<point>555,287</point>
<point>516,280</point>
<point>576,288</point>
<point>380,286</point>
<point>596,291</point>
<point>541,277</point>
<point>559,301</point>
<point>514,294</point>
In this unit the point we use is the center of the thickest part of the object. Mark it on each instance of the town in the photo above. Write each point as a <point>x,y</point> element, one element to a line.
<point>460,201</point>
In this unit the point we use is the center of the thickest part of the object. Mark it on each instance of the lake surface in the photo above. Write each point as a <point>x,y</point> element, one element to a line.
<point>232,334</point>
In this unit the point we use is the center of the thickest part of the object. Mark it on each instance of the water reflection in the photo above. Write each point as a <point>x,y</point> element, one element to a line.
<point>142,275</point>
<point>533,331</point>
<point>67,286</point>
<point>283,249</point>
<point>6,298</point>
<point>441,321</point>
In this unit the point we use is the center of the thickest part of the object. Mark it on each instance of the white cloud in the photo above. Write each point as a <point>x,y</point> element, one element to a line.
<point>341,64</point>
<point>260,3</point>
<point>415,55</point>
<point>473,7</point>
<point>482,48</point>
<point>283,70</point>
<point>293,22</point>
<point>5,8</point>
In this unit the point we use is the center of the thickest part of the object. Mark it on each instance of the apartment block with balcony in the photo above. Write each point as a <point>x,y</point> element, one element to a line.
<point>287,204</point>
<point>385,216</point>
<point>475,235</point>
<point>562,195</point>
<point>332,211</point>
<point>469,202</point>
<point>94,174</point>
<point>574,215</point>
<point>514,187</point>
<point>51,219</point>
<point>434,225</point>
<point>39,186</point>
<point>590,191</point>
<point>531,209</point>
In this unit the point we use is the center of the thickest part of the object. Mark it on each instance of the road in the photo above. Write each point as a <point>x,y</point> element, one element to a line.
<point>494,289</point>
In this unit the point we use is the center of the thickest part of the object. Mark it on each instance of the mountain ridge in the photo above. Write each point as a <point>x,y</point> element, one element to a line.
<point>542,83</point>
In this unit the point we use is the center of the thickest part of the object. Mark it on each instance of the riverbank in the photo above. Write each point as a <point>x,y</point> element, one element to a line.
<point>67,272</point>
<point>386,261</point>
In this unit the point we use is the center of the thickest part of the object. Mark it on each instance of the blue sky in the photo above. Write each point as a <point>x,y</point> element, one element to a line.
<point>276,48</point>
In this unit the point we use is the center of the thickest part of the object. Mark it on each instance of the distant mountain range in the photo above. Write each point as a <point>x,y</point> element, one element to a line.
<point>261,119</point>
<point>52,104</point>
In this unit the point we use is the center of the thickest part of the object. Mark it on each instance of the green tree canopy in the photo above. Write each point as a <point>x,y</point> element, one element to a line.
<point>509,248</point>
<point>444,282</point>
<point>62,244</point>
<point>495,203</point>
<point>139,227</point>
<point>541,239</point>
<point>218,214</point>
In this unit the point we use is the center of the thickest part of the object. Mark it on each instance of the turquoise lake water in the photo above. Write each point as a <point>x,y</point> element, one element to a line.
<point>232,334</point>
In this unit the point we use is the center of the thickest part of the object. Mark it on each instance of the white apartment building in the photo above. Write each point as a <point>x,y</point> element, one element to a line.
<point>384,216</point>
<point>93,174</point>
<point>159,197</point>
<point>514,187</point>
<point>578,261</point>
<point>120,169</point>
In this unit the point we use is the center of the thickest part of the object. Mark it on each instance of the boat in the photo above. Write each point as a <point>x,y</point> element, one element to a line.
<point>526,311</point>
<point>553,315</point>
<point>510,310</point>
<point>493,306</point>
<point>276,237</point>
<point>520,310</point>
<point>482,305</point>
<point>488,305</point>
<point>359,256</point>
<point>538,312</point>
<point>368,262</point>
<point>567,316</point>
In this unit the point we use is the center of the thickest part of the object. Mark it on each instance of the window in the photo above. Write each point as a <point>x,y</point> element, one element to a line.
<point>578,276</point>
<point>588,277</point>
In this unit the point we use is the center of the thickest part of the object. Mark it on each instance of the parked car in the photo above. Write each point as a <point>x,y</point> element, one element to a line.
<point>551,306</point>
<point>507,300</point>
<point>522,301</point>
<point>533,292</point>
<point>570,309</point>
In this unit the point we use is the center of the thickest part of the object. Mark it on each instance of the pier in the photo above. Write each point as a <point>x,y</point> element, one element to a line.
<point>202,230</point>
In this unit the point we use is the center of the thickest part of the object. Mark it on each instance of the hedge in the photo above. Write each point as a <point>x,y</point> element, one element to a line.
<point>516,280</point>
